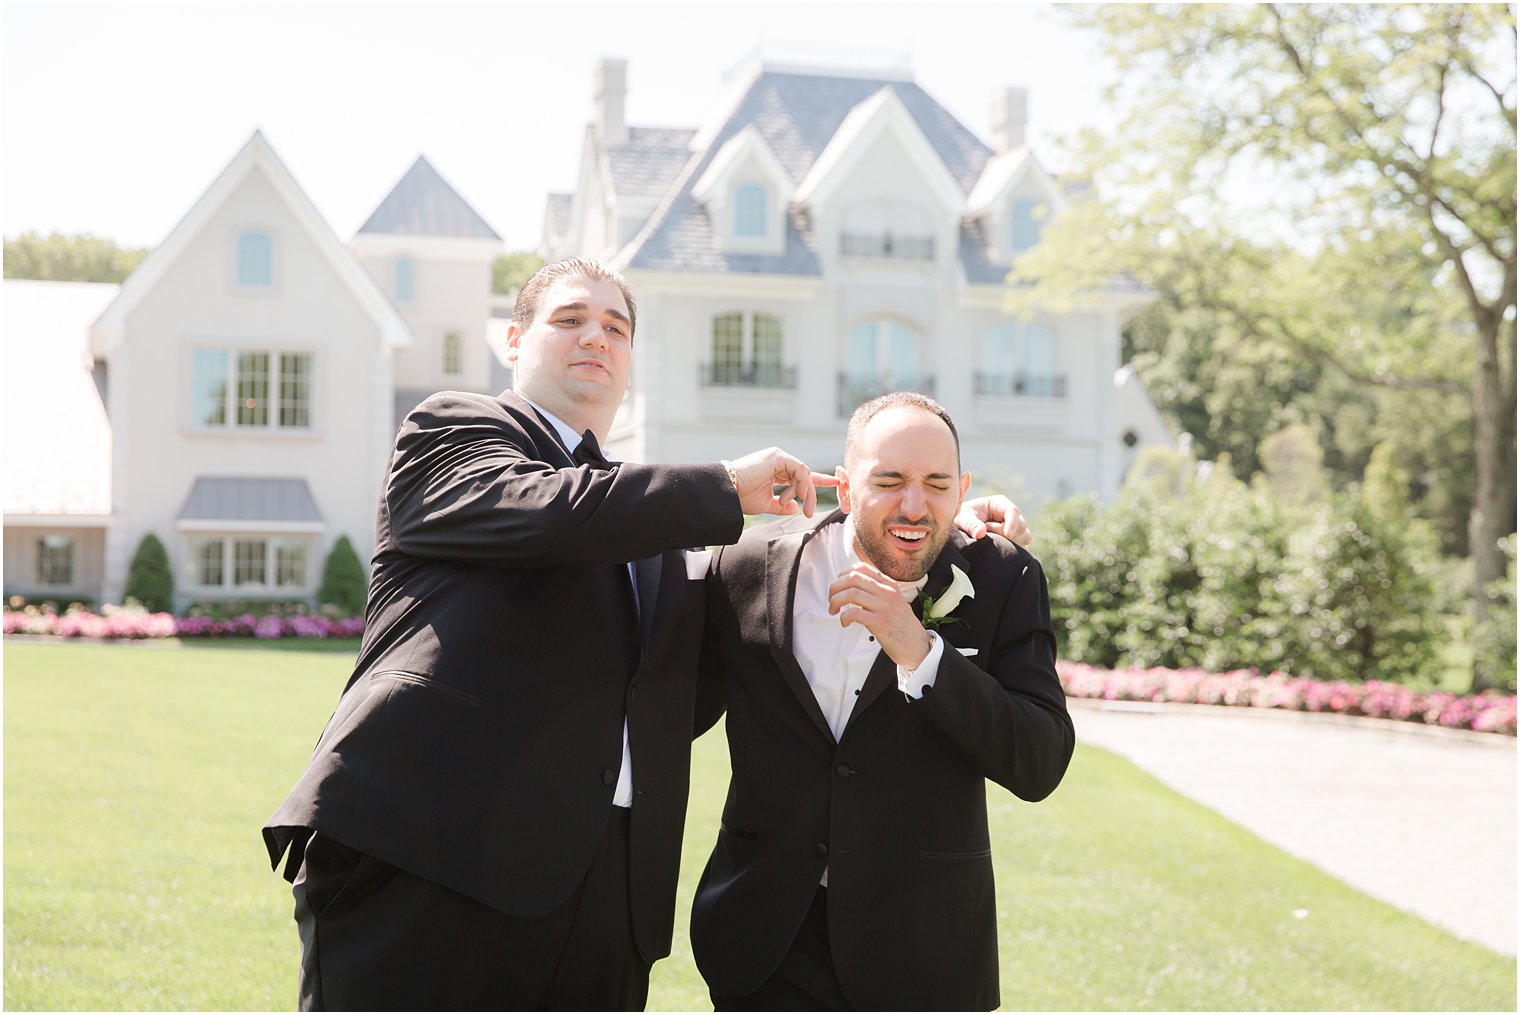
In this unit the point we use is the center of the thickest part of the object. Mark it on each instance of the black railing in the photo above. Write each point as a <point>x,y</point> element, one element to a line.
<point>857,388</point>
<point>746,375</point>
<point>890,246</point>
<point>1021,384</point>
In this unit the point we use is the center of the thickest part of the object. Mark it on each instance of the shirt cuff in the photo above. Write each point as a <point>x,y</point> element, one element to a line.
<point>912,683</point>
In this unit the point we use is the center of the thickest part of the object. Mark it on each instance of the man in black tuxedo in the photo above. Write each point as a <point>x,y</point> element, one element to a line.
<point>492,817</point>
<point>853,867</point>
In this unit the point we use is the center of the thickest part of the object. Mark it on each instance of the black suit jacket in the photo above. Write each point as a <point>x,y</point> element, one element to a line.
<point>897,808</point>
<point>478,741</point>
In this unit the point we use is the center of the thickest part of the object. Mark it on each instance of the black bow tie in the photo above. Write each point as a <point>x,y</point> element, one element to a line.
<point>588,452</point>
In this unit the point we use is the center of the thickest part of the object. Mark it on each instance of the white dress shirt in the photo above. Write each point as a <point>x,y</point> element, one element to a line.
<point>622,796</point>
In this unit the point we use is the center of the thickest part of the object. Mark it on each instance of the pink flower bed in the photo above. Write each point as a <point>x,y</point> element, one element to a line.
<point>120,622</point>
<point>1490,712</point>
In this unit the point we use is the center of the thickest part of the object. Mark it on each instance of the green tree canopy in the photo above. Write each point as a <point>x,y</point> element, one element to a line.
<point>511,270</point>
<point>60,258</point>
<point>150,580</point>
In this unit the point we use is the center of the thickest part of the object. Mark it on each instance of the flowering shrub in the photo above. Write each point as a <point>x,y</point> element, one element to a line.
<point>1489,712</point>
<point>125,622</point>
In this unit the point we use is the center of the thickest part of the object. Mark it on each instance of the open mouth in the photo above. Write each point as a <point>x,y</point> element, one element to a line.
<point>908,539</point>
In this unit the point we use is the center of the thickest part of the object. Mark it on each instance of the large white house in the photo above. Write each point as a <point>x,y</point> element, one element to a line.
<point>830,236</point>
<point>239,393</point>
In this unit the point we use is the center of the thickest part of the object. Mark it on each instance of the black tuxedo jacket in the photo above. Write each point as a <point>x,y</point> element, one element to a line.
<point>478,742</point>
<point>896,809</point>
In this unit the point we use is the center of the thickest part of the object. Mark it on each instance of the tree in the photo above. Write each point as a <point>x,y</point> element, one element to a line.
<point>149,579</point>
<point>1336,181</point>
<point>511,270</point>
<point>60,258</point>
<point>343,581</point>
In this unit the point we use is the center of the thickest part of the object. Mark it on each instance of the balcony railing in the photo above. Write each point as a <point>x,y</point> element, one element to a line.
<point>1020,384</point>
<point>746,375</point>
<point>857,388</point>
<point>888,246</point>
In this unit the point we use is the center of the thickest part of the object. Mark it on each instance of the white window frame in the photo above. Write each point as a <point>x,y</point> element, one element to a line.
<point>748,347</point>
<point>281,395</point>
<point>266,552</point>
<point>243,260</point>
<point>69,547</point>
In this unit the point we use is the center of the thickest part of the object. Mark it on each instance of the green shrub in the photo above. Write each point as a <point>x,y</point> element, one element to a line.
<point>344,584</point>
<point>1494,638</point>
<point>149,579</point>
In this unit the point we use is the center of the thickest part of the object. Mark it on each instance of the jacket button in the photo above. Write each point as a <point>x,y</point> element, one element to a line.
<point>843,770</point>
<point>633,691</point>
<point>821,848</point>
<point>609,777</point>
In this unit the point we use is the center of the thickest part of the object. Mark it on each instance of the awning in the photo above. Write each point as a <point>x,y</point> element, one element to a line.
<point>250,504</point>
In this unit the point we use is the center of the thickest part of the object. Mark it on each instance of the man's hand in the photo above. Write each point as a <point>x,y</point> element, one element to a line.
<point>997,513</point>
<point>757,474</point>
<point>863,595</point>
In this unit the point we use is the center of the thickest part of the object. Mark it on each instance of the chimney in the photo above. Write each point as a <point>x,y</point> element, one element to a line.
<point>1010,114</point>
<point>609,85</point>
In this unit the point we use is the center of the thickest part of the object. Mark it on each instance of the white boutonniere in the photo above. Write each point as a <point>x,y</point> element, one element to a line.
<point>937,612</point>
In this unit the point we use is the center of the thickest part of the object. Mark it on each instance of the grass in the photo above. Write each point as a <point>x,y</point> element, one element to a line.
<point>136,781</point>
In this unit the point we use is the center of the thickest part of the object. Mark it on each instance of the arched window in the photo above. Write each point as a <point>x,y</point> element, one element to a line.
<point>1019,359</point>
<point>749,210</point>
<point>255,261</point>
<point>402,283</point>
<point>880,356</point>
<point>453,354</point>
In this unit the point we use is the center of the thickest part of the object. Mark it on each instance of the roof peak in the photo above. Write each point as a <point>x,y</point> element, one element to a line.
<point>423,203</point>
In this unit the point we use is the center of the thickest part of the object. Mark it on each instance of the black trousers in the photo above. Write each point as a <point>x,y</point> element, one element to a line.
<point>805,979</point>
<point>376,938</point>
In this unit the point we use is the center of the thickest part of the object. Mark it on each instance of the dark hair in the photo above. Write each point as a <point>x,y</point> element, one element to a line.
<point>571,267</point>
<point>896,400</point>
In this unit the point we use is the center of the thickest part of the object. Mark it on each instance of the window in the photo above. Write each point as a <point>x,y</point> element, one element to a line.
<point>749,210</point>
<point>880,356</point>
<point>252,563</point>
<point>453,354</point>
<point>746,351</point>
<point>255,261</point>
<point>1025,227</point>
<point>55,560</point>
<point>250,389</point>
<point>1019,359</point>
<point>402,283</point>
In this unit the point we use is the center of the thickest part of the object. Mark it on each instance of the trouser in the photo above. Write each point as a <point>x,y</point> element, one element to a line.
<point>375,937</point>
<point>805,979</point>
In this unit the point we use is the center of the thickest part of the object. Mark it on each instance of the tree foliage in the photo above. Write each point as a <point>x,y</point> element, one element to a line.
<point>150,580</point>
<point>511,270</point>
<point>60,258</point>
<point>1322,197</point>
<point>343,582</point>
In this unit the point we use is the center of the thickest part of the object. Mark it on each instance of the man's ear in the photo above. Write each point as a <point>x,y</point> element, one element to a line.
<point>965,484</point>
<point>514,342</point>
<point>844,487</point>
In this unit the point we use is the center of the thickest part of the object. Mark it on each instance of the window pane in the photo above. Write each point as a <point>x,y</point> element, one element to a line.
<point>208,387</point>
<point>862,351</point>
<point>254,260</point>
<point>727,347</point>
<point>453,354</point>
<point>253,389</point>
<point>403,282</point>
<point>249,563</point>
<point>55,560</point>
<point>295,390</point>
<point>904,350</point>
<point>749,210</point>
<point>998,350</point>
<point>1039,360</point>
<point>1026,228</point>
<point>767,360</point>
<point>289,565</point>
<point>207,562</point>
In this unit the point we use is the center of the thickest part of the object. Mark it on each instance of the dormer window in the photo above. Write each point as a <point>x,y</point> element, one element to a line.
<point>401,283</point>
<point>255,261</point>
<point>749,210</point>
<point>1024,226</point>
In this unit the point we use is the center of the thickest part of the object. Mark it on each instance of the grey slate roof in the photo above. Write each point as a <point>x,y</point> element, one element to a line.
<point>249,499</point>
<point>649,162</point>
<point>423,204</point>
<point>796,114</point>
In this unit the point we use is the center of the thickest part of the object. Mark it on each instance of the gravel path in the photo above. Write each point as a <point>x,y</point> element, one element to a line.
<point>1421,818</point>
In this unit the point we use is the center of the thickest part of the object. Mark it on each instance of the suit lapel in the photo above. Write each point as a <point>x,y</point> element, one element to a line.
<point>884,671</point>
<point>783,554</point>
<point>647,575</point>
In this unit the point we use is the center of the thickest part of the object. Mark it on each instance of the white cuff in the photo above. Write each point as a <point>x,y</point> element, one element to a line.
<point>913,682</point>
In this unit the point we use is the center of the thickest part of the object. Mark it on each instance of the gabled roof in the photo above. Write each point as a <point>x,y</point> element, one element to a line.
<point>649,161</point>
<point>255,157</point>
<point>797,113</point>
<point>423,204</point>
<point>747,144</point>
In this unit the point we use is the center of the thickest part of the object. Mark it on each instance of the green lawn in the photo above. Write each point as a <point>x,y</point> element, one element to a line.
<point>136,779</point>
